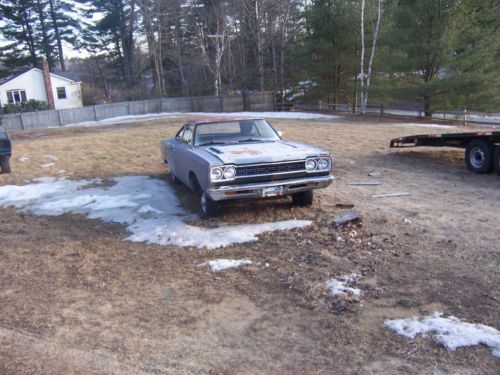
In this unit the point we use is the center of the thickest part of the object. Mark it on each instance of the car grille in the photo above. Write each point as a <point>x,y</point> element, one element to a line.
<point>267,169</point>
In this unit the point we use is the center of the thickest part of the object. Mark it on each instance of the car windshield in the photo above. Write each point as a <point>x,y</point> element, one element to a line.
<point>234,132</point>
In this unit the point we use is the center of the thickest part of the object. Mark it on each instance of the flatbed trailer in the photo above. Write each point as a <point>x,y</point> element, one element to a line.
<point>482,149</point>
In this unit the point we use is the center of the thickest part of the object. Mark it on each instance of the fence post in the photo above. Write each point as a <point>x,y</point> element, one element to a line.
<point>95,113</point>
<point>60,118</point>
<point>382,109</point>
<point>465,116</point>
<point>22,121</point>
<point>128,108</point>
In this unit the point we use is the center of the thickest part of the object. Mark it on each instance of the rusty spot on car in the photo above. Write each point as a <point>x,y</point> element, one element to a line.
<point>245,151</point>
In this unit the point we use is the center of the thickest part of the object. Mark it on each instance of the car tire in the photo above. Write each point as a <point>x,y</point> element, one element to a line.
<point>174,180</point>
<point>5,164</point>
<point>496,160</point>
<point>209,207</point>
<point>304,198</point>
<point>479,156</point>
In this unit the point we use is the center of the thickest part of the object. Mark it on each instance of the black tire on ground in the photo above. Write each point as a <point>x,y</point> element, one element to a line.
<point>209,208</point>
<point>496,159</point>
<point>304,198</point>
<point>5,164</point>
<point>479,156</point>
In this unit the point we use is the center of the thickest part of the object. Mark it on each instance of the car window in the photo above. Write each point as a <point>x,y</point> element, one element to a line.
<point>188,134</point>
<point>251,130</point>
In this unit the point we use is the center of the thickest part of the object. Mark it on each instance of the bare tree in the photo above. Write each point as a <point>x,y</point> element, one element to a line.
<point>365,78</point>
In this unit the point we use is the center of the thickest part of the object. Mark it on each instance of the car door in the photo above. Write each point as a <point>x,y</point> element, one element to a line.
<point>182,152</point>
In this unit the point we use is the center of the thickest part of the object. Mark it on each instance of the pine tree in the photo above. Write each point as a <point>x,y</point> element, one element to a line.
<point>474,79</point>
<point>417,48</point>
<point>22,48</point>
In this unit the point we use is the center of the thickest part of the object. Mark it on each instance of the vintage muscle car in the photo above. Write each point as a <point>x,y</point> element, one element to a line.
<point>5,152</point>
<point>244,158</point>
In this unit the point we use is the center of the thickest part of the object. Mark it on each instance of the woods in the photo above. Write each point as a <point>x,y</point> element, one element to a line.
<point>431,54</point>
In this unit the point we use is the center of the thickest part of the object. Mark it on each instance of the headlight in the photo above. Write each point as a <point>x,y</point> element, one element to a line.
<point>216,174</point>
<point>222,173</point>
<point>324,164</point>
<point>229,173</point>
<point>310,165</point>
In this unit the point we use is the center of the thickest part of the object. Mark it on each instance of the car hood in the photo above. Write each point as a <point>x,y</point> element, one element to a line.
<point>263,152</point>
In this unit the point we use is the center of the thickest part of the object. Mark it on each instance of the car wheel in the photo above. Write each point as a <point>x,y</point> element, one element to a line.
<point>304,198</point>
<point>174,180</point>
<point>5,164</point>
<point>208,206</point>
<point>496,159</point>
<point>479,156</point>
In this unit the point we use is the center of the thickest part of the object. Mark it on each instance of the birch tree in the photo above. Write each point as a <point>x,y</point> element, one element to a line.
<point>365,78</point>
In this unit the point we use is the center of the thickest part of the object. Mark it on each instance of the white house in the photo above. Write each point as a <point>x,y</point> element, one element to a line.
<point>61,89</point>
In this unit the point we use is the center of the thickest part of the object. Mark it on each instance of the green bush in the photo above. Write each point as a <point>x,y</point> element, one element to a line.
<point>31,105</point>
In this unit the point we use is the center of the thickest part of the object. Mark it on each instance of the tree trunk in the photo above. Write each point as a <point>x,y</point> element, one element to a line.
<point>53,16</point>
<point>374,45</point>
<point>362,67</point>
<point>45,39</point>
<point>427,105</point>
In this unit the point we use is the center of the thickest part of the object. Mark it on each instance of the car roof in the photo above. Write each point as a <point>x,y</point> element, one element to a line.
<point>218,120</point>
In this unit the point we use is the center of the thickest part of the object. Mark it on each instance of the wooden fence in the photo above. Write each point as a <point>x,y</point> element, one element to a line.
<point>259,101</point>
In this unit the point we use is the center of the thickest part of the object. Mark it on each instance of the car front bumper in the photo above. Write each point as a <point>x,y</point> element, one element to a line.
<point>256,190</point>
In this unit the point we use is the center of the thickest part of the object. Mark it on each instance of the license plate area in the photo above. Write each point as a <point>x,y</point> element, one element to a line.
<point>274,191</point>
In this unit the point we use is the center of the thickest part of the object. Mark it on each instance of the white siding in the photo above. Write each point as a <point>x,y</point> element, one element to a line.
<point>73,93</point>
<point>33,83</point>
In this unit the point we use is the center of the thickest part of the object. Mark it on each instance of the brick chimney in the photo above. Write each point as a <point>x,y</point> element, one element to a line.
<point>48,85</point>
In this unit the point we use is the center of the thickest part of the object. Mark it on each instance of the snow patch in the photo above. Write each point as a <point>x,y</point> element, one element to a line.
<point>22,159</point>
<point>434,126</point>
<point>222,264</point>
<point>147,206</point>
<point>277,115</point>
<point>339,286</point>
<point>450,332</point>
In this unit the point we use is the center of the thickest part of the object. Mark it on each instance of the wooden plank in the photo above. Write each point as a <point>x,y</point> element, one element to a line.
<point>364,183</point>
<point>388,195</point>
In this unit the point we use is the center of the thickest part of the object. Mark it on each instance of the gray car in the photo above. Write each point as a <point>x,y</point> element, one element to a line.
<point>244,158</point>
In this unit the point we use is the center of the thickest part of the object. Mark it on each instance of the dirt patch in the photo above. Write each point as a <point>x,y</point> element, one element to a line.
<point>77,298</point>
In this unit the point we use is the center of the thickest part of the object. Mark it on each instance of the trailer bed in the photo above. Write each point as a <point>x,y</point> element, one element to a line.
<point>459,140</point>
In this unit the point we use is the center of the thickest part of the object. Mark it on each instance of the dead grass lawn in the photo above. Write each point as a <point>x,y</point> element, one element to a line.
<point>76,298</point>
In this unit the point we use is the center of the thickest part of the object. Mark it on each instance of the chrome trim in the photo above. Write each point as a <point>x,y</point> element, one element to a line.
<point>271,163</point>
<point>272,174</point>
<point>254,190</point>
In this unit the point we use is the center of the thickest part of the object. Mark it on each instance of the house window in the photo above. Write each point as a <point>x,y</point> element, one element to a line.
<point>61,93</point>
<point>16,96</point>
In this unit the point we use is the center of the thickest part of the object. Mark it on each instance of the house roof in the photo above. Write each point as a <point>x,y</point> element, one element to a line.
<point>69,76</point>
<point>12,76</point>
<point>72,76</point>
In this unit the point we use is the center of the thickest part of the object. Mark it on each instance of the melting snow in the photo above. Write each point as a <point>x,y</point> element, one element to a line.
<point>222,264</point>
<point>339,287</point>
<point>149,208</point>
<point>450,332</point>
<point>279,115</point>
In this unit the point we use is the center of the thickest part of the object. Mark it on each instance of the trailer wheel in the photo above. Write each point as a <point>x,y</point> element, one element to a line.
<point>496,159</point>
<point>479,156</point>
